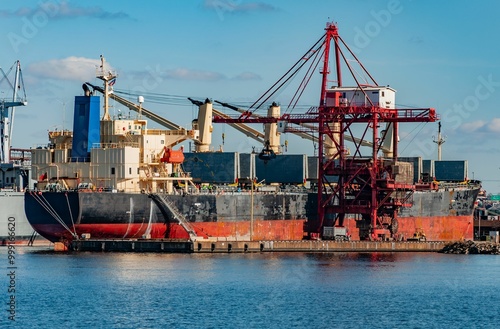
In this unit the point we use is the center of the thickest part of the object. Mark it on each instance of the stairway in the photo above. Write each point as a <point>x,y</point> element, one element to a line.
<point>163,202</point>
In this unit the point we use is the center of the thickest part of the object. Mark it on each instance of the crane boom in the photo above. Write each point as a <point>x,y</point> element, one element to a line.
<point>248,131</point>
<point>139,109</point>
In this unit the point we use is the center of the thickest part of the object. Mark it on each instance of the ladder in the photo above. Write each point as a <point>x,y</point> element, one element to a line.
<point>190,181</point>
<point>128,137</point>
<point>176,215</point>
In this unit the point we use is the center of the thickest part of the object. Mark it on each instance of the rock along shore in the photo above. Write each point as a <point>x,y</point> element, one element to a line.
<point>471,247</point>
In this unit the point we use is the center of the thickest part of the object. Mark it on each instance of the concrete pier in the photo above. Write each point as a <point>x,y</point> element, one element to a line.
<point>133,245</point>
<point>216,246</point>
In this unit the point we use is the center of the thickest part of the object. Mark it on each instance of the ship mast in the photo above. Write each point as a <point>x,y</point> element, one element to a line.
<point>108,78</point>
<point>439,141</point>
<point>6,125</point>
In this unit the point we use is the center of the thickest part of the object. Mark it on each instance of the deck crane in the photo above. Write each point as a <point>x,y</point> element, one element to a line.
<point>203,139</point>
<point>205,111</point>
<point>263,139</point>
<point>270,138</point>
<point>349,184</point>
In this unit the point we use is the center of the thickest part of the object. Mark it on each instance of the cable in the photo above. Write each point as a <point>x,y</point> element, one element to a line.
<point>422,127</point>
<point>286,76</point>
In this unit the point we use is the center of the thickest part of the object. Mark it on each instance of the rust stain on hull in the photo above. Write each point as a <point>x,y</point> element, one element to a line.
<point>262,230</point>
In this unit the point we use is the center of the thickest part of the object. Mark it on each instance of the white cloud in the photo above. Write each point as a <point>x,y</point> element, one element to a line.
<point>245,76</point>
<point>472,126</point>
<point>188,74</point>
<point>233,6</point>
<point>494,125</point>
<point>64,9</point>
<point>70,68</point>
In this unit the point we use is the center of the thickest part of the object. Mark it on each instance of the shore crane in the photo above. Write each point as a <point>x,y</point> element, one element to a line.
<point>372,187</point>
<point>7,121</point>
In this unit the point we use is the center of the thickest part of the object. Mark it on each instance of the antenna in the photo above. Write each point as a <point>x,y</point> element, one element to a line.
<point>109,79</point>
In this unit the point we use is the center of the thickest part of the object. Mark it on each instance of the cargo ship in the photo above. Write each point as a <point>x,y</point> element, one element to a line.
<point>114,178</point>
<point>14,226</point>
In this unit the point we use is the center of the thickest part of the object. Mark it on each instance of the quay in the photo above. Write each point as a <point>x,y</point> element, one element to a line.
<point>218,246</point>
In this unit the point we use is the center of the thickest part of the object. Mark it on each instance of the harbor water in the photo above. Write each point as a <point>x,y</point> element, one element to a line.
<point>268,290</point>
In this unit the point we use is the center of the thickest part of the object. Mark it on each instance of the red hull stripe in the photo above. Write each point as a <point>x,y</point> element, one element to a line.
<point>446,228</point>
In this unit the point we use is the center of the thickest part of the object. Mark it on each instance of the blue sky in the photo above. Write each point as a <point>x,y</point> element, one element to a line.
<point>434,53</point>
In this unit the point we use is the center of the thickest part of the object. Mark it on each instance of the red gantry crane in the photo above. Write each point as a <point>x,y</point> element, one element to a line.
<point>372,187</point>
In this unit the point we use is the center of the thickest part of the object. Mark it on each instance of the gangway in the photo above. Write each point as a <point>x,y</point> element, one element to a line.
<point>162,201</point>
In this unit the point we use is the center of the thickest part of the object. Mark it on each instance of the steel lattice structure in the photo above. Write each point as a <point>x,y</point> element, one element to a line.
<point>350,183</point>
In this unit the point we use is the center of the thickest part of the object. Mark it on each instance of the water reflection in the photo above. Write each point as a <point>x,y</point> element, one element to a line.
<point>279,290</point>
